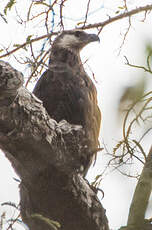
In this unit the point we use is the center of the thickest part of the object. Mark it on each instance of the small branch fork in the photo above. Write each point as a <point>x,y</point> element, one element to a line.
<point>146,69</point>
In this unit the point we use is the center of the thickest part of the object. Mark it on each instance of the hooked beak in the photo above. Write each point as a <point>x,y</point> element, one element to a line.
<point>93,38</point>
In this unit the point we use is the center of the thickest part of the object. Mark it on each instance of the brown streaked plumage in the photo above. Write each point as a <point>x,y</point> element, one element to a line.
<point>66,90</point>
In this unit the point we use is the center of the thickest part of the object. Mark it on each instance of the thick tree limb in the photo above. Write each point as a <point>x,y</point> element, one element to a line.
<point>136,219</point>
<point>47,156</point>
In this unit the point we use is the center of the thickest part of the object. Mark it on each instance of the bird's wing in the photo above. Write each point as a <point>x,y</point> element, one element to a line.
<point>60,93</point>
<point>71,97</point>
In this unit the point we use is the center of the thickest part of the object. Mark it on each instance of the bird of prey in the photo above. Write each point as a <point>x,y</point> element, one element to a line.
<point>66,90</point>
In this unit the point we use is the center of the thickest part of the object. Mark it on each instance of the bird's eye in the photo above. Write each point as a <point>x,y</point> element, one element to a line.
<point>78,33</point>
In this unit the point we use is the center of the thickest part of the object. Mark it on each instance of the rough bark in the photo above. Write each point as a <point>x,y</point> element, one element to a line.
<point>47,156</point>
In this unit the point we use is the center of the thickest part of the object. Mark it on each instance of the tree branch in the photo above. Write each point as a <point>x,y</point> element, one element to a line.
<point>136,219</point>
<point>86,27</point>
<point>138,66</point>
<point>47,156</point>
<point>118,17</point>
<point>27,43</point>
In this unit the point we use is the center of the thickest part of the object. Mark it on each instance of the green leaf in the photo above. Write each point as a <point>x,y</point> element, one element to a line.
<point>28,39</point>
<point>9,6</point>
<point>121,7</point>
<point>80,23</point>
<point>16,45</point>
<point>117,12</point>
<point>42,3</point>
<point>118,146</point>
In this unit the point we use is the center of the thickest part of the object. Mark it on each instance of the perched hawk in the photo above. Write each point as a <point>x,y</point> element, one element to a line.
<point>66,90</point>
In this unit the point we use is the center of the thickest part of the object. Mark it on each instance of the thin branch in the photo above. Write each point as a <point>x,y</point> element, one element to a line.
<point>145,15</point>
<point>46,22</point>
<point>27,43</point>
<point>127,175</point>
<point>141,149</point>
<point>138,66</point>
<point>148,62</point>
<point>125,5</point>
<point>125,35</point>
<point>13,222</point>
<point>138,158</point>
<point>126,134</point>
<point>145,134</point>
<point>118,17</point>
<point>32,53</point>
<point>61,13</point>
<point>36,67</point>
<point>126,142</point>
<point>86,16</point>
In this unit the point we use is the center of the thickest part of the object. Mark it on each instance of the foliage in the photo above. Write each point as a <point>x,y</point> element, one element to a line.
<point>9,6</point>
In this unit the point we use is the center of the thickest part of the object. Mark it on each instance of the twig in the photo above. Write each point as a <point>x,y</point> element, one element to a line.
<point>148,61</point>
<point>145,134</point>
<point>125,5</point>
<point>141,149</point>
<point>125,35</point>
<point>61,14</point>
<point>138,66</point>
<point>13,222</point>
<point>36,67</point>
<point>86,16</point>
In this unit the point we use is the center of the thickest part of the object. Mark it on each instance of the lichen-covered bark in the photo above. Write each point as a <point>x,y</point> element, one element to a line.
<point>47,156</point>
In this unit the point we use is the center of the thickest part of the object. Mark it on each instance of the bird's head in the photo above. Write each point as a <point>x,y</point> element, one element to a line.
<point>74,39</point>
